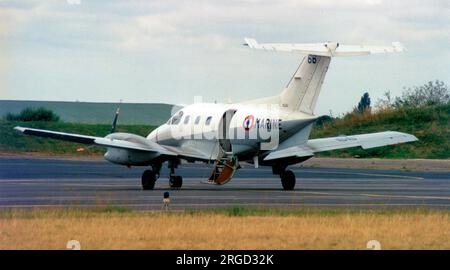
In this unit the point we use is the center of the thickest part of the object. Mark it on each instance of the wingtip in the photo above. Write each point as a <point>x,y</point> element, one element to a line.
<point>20,129</point>
<point>410,137</point>
<point>407,137</point>
<point>250,42</point>
<point>399,47</point>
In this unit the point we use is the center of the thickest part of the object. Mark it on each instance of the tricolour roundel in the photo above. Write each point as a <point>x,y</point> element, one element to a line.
<point>248,123</point>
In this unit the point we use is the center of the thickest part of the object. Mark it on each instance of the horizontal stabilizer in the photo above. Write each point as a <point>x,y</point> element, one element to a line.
<point>330,49</point>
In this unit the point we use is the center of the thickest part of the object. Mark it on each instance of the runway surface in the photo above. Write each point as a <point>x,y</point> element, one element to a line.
<point>38,182</point>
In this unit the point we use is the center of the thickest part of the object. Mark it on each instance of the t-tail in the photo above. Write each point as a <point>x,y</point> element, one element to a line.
<point>302,91</point>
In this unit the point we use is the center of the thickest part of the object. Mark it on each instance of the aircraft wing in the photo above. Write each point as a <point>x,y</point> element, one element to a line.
<point>124,141</point>
<point>330,49</point>
<point>365,141</point>
<point>146,146</point>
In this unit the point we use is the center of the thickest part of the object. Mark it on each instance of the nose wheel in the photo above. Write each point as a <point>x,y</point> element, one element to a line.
<point>175,181</point>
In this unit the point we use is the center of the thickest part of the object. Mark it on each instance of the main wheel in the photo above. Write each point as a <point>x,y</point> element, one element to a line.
<point>148,180</point>
<point>175,181</point>
<point>288,180</point>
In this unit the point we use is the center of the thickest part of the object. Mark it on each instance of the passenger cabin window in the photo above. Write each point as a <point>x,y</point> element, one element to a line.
<point>186,119</point>
<point>177,118</point>
<point>197,120</point>
<point>208,120</point>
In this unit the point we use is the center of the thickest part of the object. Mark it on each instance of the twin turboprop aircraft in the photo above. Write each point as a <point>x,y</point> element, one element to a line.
<point>271,131</point>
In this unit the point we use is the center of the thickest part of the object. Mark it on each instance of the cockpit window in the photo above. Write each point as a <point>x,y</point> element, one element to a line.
<point>177,118</point>
<point>208,120</point>
<point>186,119</point>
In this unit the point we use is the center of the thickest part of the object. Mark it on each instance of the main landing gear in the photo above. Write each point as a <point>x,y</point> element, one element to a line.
<point>287,177</point>
<point>287,180</point>
<point>149,177</point>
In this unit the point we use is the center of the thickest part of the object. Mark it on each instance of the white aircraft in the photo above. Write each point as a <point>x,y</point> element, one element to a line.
<point>272,131</point>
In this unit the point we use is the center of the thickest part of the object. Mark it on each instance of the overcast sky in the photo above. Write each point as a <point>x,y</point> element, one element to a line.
<point>169,51</point>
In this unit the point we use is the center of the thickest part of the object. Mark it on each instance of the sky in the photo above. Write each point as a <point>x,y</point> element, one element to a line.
<point>170,51</point>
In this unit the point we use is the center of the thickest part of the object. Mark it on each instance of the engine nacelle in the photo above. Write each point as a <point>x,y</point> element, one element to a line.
<point>129,157</point>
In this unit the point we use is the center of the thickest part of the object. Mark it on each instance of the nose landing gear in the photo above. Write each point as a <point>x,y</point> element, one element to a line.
<point>175,181</point>
<point>149,177</point>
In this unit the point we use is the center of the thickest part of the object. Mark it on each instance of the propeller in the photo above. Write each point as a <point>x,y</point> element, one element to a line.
<point>114,123</point>
<point>113,129</point>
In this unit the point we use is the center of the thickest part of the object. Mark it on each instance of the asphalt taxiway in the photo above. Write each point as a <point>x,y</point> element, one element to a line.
<point>45,182</point>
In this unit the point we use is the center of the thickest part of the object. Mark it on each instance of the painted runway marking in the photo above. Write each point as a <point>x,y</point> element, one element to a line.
<point>378,195</point>
<point>368,174</point>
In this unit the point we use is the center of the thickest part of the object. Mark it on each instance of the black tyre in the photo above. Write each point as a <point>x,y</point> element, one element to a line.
<point>288,180</point>
<point>148,180</point>
<point>175,181</point>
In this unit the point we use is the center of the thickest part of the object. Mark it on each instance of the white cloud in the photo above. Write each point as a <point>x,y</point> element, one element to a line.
<point>198,41</point>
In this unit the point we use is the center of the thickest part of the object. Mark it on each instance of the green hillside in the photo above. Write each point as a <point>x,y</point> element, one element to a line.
<point>13,141</point>
<point>430,124</point>
<point>95,113</point>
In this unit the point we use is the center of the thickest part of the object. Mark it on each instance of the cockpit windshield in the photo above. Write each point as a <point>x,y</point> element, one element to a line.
<point>175,120</point>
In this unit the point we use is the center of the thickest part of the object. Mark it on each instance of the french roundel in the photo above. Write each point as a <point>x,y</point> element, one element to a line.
<point>248,123</point>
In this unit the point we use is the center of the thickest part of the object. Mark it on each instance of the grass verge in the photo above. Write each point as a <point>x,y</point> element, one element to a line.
<point>229,228</point>
<point>429,124</point>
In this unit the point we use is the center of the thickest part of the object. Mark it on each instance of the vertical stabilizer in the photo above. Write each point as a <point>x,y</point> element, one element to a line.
<point>303,89</point>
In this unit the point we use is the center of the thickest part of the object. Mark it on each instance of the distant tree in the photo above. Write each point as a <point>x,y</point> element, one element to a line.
<point>323,120</point>
<point>364,103</point>
<point>33,114</point>
<point>385,102</point>
<point>431,93</point>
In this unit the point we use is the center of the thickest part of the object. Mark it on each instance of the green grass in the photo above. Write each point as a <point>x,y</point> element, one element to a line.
<point>12,141</point>
<point>234,211</point>
<point>431,125</point>
<point>242,211</point>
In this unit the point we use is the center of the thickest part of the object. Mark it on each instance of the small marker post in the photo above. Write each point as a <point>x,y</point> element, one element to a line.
<point>166,201</point>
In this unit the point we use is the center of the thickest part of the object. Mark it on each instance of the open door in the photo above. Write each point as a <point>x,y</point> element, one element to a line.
<point>227,164</point>
<point>224,127</point>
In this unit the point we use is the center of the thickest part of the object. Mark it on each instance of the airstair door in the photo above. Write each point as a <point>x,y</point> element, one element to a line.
<point>227,163</point>
<point>224,128</point>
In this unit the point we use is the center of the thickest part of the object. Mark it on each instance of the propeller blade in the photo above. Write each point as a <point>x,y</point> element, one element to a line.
<point>114,124</point>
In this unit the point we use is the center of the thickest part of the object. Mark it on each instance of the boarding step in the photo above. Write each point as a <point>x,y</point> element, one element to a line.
<point>223,170</point>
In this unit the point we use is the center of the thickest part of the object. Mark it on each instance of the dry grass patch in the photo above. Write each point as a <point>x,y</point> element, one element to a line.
<point>306,229</point>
